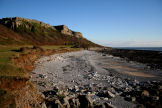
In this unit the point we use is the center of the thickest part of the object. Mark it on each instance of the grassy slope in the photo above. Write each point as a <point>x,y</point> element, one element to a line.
<point>34,33</point>
<point>9,37</point>
<point>7,68</point>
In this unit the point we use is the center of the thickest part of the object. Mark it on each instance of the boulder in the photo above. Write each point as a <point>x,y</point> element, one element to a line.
<point>85,101</point>
<point>145,93</point>
<point>108,105</point>
<point>43,105</point>
<point>106,94</point>
<point>74,103</point>
<point>58,104</point>
<point>53,103</point>
<point>65,103</point>
<point>111,95</point>
<point>99,106</point>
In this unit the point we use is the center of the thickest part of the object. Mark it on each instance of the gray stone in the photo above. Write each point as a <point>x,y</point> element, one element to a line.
<point>85,101</point>
<point>155,98</point>
<point>43,105</point>
<point>109,94</point>
<point>65,30</point>
<point>65,103</point>
<point>99,106</point>
<point>74,103</point>
<point>108,105</point>
<point>145,93</point>
<point>133,99</point>
<point>76,88</point>
<point>58,104</point>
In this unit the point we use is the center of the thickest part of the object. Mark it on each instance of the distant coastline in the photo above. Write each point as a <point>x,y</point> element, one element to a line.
<point>142,48</point>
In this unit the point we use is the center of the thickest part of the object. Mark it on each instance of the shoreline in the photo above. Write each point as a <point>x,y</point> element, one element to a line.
<point>81,62</point>
<point>153,59</point>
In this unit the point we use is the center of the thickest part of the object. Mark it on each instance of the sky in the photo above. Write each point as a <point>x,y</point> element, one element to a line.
<point>115,23</point>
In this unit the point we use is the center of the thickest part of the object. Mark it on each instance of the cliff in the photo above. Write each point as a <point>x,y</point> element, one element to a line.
<point>15,22</point>
<point>65,30</point>
<point>39,33</point>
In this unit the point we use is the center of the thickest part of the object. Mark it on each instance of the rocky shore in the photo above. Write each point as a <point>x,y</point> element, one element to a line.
<point>89,79</point>
<point>152,59</point>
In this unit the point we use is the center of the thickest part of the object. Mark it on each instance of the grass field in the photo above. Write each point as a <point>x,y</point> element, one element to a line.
<point>7,68</point>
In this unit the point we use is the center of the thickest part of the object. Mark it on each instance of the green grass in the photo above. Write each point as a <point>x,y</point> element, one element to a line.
<point>57,47</point>
<point>52,47</point>
<point>7,68</point>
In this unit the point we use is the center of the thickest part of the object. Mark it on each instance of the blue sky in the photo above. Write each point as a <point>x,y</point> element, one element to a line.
<point>124,23</point>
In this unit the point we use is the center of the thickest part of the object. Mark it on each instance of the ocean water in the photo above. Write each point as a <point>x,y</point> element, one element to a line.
<point>142,48</point>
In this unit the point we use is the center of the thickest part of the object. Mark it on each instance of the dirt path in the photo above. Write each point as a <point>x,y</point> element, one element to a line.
<point>83,69</point>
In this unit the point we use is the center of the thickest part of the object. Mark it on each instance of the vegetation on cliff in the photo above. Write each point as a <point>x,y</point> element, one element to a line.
<point>38,33</point>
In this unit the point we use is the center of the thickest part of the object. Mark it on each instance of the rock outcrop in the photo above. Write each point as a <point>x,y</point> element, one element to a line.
<point>30,24</point>
<point>17,30</point>
<point>15,22</point>
<point>65,30</point>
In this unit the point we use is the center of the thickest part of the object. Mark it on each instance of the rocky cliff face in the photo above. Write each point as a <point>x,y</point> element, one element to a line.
<point>15,22</point>
<point>65,30</point>
<point>18,22</point>
<point>38,33</point>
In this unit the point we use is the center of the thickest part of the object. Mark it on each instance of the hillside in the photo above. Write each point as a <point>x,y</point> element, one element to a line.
<point>18,30</point>
<point>8,36</point>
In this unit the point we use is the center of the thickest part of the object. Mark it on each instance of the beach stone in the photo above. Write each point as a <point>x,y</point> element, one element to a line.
<point>58,104</point>
<point>160,87</point>
<point>43,105</point>
<point>155,98</point>
<point>55,88</point>
<point>133,99</point>
<point>106,94</point>
<point>111,95</point>
<point>74,103</point>
<point>145,93</point>
<point>140,106</point>
<point>65,103</point>
<point>99,106</point>
<point>76,88</point>
<point>103,90</point>
<point>106,99</point>
<point>108,105</point>
<point>42,95</point>
<point>85,101</point>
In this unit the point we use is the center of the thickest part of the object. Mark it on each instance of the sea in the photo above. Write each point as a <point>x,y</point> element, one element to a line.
<point>142,48</point>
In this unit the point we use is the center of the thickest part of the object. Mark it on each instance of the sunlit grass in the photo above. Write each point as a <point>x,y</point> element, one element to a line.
<point>56,46</point>
<point>7,67</point>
